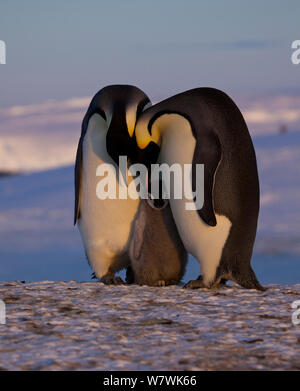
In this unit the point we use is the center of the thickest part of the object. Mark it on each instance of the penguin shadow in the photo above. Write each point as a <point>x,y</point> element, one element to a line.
<point>156,252</point>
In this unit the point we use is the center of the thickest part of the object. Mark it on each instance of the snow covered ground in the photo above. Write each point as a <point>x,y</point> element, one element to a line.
<point>37,238</point>
<point>90,326</point>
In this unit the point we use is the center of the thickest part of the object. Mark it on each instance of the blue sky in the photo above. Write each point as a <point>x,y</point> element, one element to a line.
<point>57,50</point>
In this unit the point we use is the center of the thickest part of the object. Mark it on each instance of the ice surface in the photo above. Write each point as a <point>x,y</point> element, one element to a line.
<point>90,326</point>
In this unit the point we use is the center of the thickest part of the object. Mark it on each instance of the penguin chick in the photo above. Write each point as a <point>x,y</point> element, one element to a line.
<point>156,252</point>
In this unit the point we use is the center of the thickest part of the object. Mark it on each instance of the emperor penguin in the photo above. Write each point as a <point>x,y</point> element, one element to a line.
<point>105,224</point>
<point>204,126</point>
<point>157,254</point>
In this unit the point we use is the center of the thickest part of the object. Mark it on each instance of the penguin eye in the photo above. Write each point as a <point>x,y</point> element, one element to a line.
<point>157,204</point>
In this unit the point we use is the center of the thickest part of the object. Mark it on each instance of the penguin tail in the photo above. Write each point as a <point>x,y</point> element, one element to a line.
<point>249,280</point>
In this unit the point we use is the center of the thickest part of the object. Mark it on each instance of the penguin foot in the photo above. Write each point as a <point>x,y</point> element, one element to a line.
<point>165,283</point>
<point>160,283</point>
<point>111,279</point>
<point>195,284</point>
<point>223,282</point>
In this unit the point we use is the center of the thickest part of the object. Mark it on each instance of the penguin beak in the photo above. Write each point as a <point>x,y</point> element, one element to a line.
<point>118,141</point>
<point>148,155</point>
<point>118,145</point>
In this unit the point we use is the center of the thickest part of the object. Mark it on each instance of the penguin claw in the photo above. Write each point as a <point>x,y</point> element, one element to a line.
<point>160,283</point>
<point>194,284</point>
<point>110,279</point>
<point>119,281</point>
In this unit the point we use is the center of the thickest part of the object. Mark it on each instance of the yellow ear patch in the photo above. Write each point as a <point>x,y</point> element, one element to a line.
<point>156,135</point>
<point>131,119</point>
<point>130,130</point>
<point>143,138</point>
<point>143,144</point>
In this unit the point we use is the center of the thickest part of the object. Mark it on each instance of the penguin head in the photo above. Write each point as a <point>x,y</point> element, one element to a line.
<point>148,139</point>
<point>157,204</point>
<point>119,106</point>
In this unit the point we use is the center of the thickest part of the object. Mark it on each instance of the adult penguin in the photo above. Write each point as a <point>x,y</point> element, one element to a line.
<point>204,126</point>
<point>105,224</point>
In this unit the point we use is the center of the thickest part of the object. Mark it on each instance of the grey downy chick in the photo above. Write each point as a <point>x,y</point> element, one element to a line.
<point>156,252</point>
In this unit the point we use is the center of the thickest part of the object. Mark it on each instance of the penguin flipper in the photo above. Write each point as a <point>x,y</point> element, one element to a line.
<point>78,168</point>
<point>208,152</point>
<point>138,235</point>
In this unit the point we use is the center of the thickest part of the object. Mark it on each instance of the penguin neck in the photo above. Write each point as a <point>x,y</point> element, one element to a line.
<point>177,139</point>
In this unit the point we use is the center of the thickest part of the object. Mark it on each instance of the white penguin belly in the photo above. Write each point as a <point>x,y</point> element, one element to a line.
<point>201,240</point>
<point>104,224</point>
